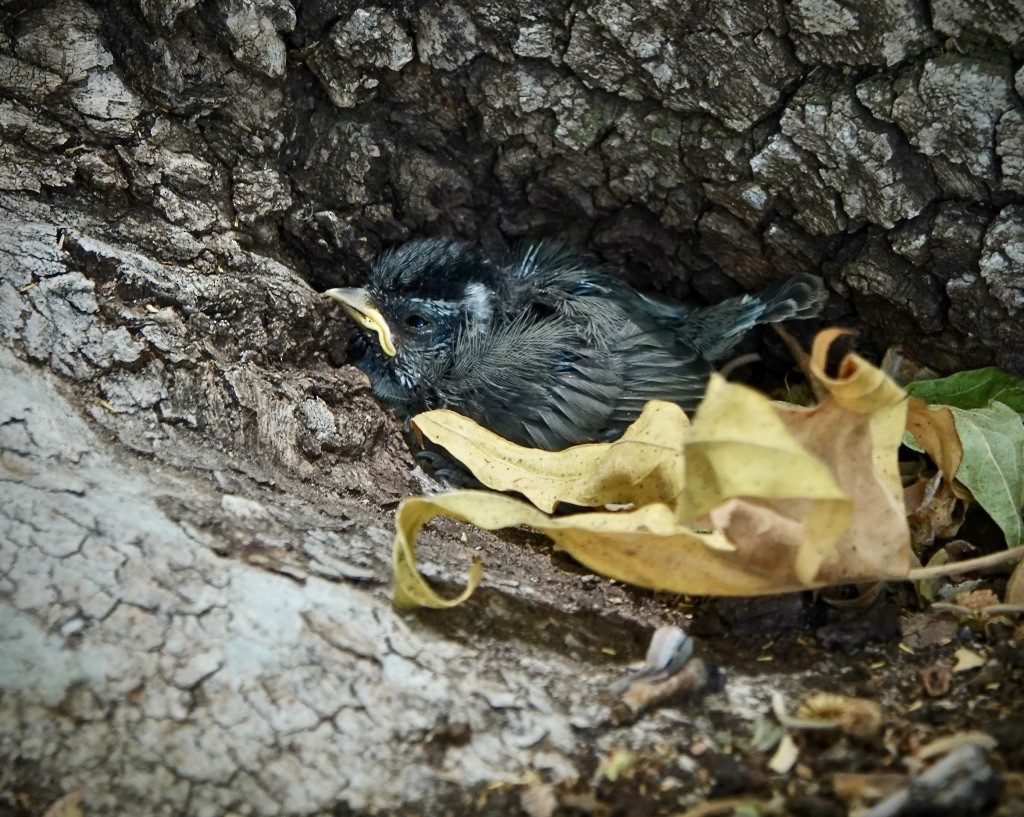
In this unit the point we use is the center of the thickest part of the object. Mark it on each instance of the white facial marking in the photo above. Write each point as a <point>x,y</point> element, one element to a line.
<point>478,302</point>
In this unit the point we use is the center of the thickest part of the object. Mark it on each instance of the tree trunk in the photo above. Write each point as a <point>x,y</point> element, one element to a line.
<point>196,499</point>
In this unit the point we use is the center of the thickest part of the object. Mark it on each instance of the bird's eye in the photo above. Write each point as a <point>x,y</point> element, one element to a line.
<point>417,322</point>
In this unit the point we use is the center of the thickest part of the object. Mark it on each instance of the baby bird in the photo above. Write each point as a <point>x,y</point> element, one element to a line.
<point>544,347</point>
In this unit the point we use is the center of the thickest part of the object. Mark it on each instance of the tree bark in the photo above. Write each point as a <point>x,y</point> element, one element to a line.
<point>194,518</point>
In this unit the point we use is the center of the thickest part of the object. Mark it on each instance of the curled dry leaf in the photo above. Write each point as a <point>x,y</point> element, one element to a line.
<point>753,498</point>
<point>1015,586</point>
<point>936,680</point>
<point>857,717</point>
<point>647,547</point>
<point>411,589</point>
<point>934,430</point>
<point>857,432</point>
<point>740,449</point>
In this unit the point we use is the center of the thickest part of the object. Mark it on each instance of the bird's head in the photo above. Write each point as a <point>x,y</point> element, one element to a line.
<point>417,301</point>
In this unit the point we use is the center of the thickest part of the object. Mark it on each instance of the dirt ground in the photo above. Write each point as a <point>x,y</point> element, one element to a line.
<point>891,649</point>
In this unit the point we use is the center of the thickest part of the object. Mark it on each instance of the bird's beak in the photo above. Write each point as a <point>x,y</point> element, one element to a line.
<point>363,312</point>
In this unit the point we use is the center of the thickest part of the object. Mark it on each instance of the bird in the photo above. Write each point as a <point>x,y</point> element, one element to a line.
<point>543,346</point>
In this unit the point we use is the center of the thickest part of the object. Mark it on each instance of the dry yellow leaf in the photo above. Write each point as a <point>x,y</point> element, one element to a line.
<point>643,466</point>
<point>411,589</point>
<point>857,434</point>
<point>740,447</point>
<point>646,547</point>
<point>754,498</point>
<point>863,389</point>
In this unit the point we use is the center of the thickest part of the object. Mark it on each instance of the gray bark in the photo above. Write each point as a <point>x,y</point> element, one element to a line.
<point>194,512</point>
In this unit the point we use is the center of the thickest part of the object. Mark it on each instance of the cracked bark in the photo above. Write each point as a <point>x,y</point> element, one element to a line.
<point>194,514</point>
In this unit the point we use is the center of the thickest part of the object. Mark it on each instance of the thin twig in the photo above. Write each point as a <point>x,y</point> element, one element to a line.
<point>969,565</point>
<point>736,362</point>
<point>991,610</point>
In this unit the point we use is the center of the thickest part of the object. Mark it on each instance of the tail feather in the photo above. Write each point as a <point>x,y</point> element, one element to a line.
<point>715,330</point>
<point>801,296</point>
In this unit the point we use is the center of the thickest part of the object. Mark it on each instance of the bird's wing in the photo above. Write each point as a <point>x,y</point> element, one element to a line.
<point>654,361</point>
<point>534,382</point>
<point>579,359</point>
<point>657,365</point>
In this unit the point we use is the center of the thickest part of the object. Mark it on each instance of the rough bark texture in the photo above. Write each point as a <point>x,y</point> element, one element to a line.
<point>194,532</point>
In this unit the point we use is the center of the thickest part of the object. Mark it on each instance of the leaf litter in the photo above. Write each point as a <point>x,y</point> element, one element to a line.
<point>753,497</point>
<point>723,505</point>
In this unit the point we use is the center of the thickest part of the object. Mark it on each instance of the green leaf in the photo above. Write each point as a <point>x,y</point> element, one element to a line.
<point>973,389</point>
<point>992,468</point>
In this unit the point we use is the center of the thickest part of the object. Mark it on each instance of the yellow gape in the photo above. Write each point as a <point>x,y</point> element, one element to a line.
<point>362,310</point>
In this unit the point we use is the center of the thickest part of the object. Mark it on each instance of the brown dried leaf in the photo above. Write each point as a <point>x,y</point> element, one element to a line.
<point>934,511</point>
<point>857,433</point>
<point>1015,586</point>
<point>935,430</point>
<point>859,717</point>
